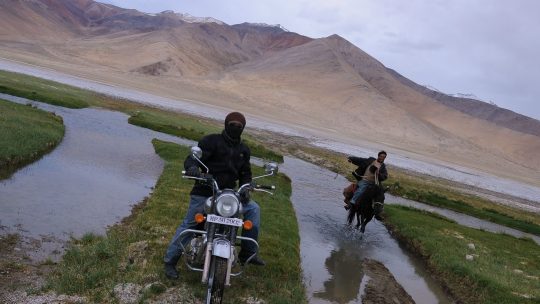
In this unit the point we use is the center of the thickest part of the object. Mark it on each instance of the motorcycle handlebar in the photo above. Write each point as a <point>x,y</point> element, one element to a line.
<point>265,187</point>
<point>209,178</point>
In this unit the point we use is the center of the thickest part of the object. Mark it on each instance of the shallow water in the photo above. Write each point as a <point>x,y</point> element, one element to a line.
<point>102,167</point>
<point>332,252</point>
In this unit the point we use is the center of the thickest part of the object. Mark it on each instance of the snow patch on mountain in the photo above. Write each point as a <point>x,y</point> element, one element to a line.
<point>192,19</point>
<point>269,25</point>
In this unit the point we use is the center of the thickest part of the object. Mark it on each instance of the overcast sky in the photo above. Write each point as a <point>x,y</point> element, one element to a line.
<point>488,48</point>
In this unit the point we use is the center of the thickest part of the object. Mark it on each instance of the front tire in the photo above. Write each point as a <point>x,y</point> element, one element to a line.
<point>216,280</point>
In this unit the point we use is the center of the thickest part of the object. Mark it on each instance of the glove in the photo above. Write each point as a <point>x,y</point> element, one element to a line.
<point>193,171</point>
<point>372,169</point>
<point>245,197</point>
<point>208,177</point>
<point>349,159</point>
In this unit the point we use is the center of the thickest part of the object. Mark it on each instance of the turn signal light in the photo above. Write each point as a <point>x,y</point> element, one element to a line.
<point>247,225</point>
<point>199,218</point>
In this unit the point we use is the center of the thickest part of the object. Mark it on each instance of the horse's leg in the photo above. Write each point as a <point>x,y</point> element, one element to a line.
<point>350,216</point>
<point>363,223</point>
<point>358,219</point>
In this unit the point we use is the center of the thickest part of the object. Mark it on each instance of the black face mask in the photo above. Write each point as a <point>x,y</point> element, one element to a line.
<point>234,131</point>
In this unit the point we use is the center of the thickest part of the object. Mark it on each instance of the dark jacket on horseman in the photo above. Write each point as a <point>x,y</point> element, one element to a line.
<point>363,163</point>
<point>226,158</point>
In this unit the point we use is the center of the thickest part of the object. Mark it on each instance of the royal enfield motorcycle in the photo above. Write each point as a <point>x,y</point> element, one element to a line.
<point>213,248</point>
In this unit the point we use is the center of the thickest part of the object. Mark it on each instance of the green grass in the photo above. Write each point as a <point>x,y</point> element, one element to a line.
<point>505,269</point>
<point>481,210</point>
<point>94,265</point>
<point>43,90</point>
<point>26,134</point>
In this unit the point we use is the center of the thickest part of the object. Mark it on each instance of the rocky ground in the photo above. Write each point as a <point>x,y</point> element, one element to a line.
<point>21,277</point>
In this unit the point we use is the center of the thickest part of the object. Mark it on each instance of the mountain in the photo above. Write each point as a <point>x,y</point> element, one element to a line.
<point>327,86</point>
<point>479,109</point>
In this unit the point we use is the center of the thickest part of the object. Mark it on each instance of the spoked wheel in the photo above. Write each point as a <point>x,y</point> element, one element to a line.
<point>216,280</point>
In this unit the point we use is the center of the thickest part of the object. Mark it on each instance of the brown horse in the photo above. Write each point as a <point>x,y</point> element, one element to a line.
<point>363,208</point>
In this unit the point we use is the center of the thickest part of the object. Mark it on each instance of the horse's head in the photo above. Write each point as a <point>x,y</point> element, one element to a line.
<point>378,194</point>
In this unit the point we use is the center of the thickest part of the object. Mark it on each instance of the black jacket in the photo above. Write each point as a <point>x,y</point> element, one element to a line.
<point>363,163</point>
<point>228,162</point>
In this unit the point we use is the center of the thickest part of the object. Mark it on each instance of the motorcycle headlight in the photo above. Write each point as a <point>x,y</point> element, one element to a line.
<point>227,205</point>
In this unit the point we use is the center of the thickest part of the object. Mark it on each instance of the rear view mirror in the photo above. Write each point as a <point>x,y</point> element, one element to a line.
<point>196,151</point>
<point>271,168</point>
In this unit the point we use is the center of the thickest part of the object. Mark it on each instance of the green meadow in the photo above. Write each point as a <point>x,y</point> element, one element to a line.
<point>474,265</point>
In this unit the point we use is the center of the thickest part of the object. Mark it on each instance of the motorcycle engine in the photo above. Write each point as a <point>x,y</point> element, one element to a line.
<point>195,251</point>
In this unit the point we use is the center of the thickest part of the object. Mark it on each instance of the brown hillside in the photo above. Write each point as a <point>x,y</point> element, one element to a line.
<point>327,87</point>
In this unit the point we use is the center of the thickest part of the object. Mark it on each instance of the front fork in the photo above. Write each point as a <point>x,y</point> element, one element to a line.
<point>218,246</point>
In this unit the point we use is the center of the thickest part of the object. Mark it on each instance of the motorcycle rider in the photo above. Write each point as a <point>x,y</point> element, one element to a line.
<point>370,171</point>
<point>227,158</point>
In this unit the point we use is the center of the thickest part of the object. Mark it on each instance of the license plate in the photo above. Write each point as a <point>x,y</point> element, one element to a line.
<point>231,221</point>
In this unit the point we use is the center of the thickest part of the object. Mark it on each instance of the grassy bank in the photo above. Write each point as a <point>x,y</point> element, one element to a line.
<point>432,193</point>
<point>43,90</point>
<point>133,251</point>
<point>26,134</point>
<point>503,269</point>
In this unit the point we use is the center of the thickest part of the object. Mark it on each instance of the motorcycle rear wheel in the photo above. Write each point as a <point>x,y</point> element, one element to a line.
<point>216,280</point>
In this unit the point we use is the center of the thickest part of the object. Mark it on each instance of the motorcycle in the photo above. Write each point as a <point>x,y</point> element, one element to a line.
<point>212,250</point>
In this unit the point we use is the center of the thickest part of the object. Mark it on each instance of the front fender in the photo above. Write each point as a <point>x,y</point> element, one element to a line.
<point>221,248</point>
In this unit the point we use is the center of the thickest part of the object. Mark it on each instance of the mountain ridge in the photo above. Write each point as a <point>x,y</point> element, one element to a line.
<point>328,84</point>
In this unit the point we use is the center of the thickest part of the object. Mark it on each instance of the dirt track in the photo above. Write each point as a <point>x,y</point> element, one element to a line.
<point>382,287</point>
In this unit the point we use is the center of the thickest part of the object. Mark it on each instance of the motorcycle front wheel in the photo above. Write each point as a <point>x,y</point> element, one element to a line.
<point>216,280</point>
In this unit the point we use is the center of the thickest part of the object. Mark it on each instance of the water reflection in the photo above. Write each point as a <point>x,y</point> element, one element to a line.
<point>345,268</point>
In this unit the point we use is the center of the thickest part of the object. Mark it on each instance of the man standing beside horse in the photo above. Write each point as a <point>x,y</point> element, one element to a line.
<point>370,171</point>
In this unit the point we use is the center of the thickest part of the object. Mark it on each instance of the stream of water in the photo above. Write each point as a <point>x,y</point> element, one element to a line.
<point>104,165</point>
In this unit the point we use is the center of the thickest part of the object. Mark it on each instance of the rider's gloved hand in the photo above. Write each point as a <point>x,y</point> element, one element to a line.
<point>245,197</point>
<point>193,171</point>
<point>372,169</point>
<point>207,176</point>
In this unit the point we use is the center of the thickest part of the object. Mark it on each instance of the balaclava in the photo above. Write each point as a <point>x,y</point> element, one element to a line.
<point>232,131</point>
